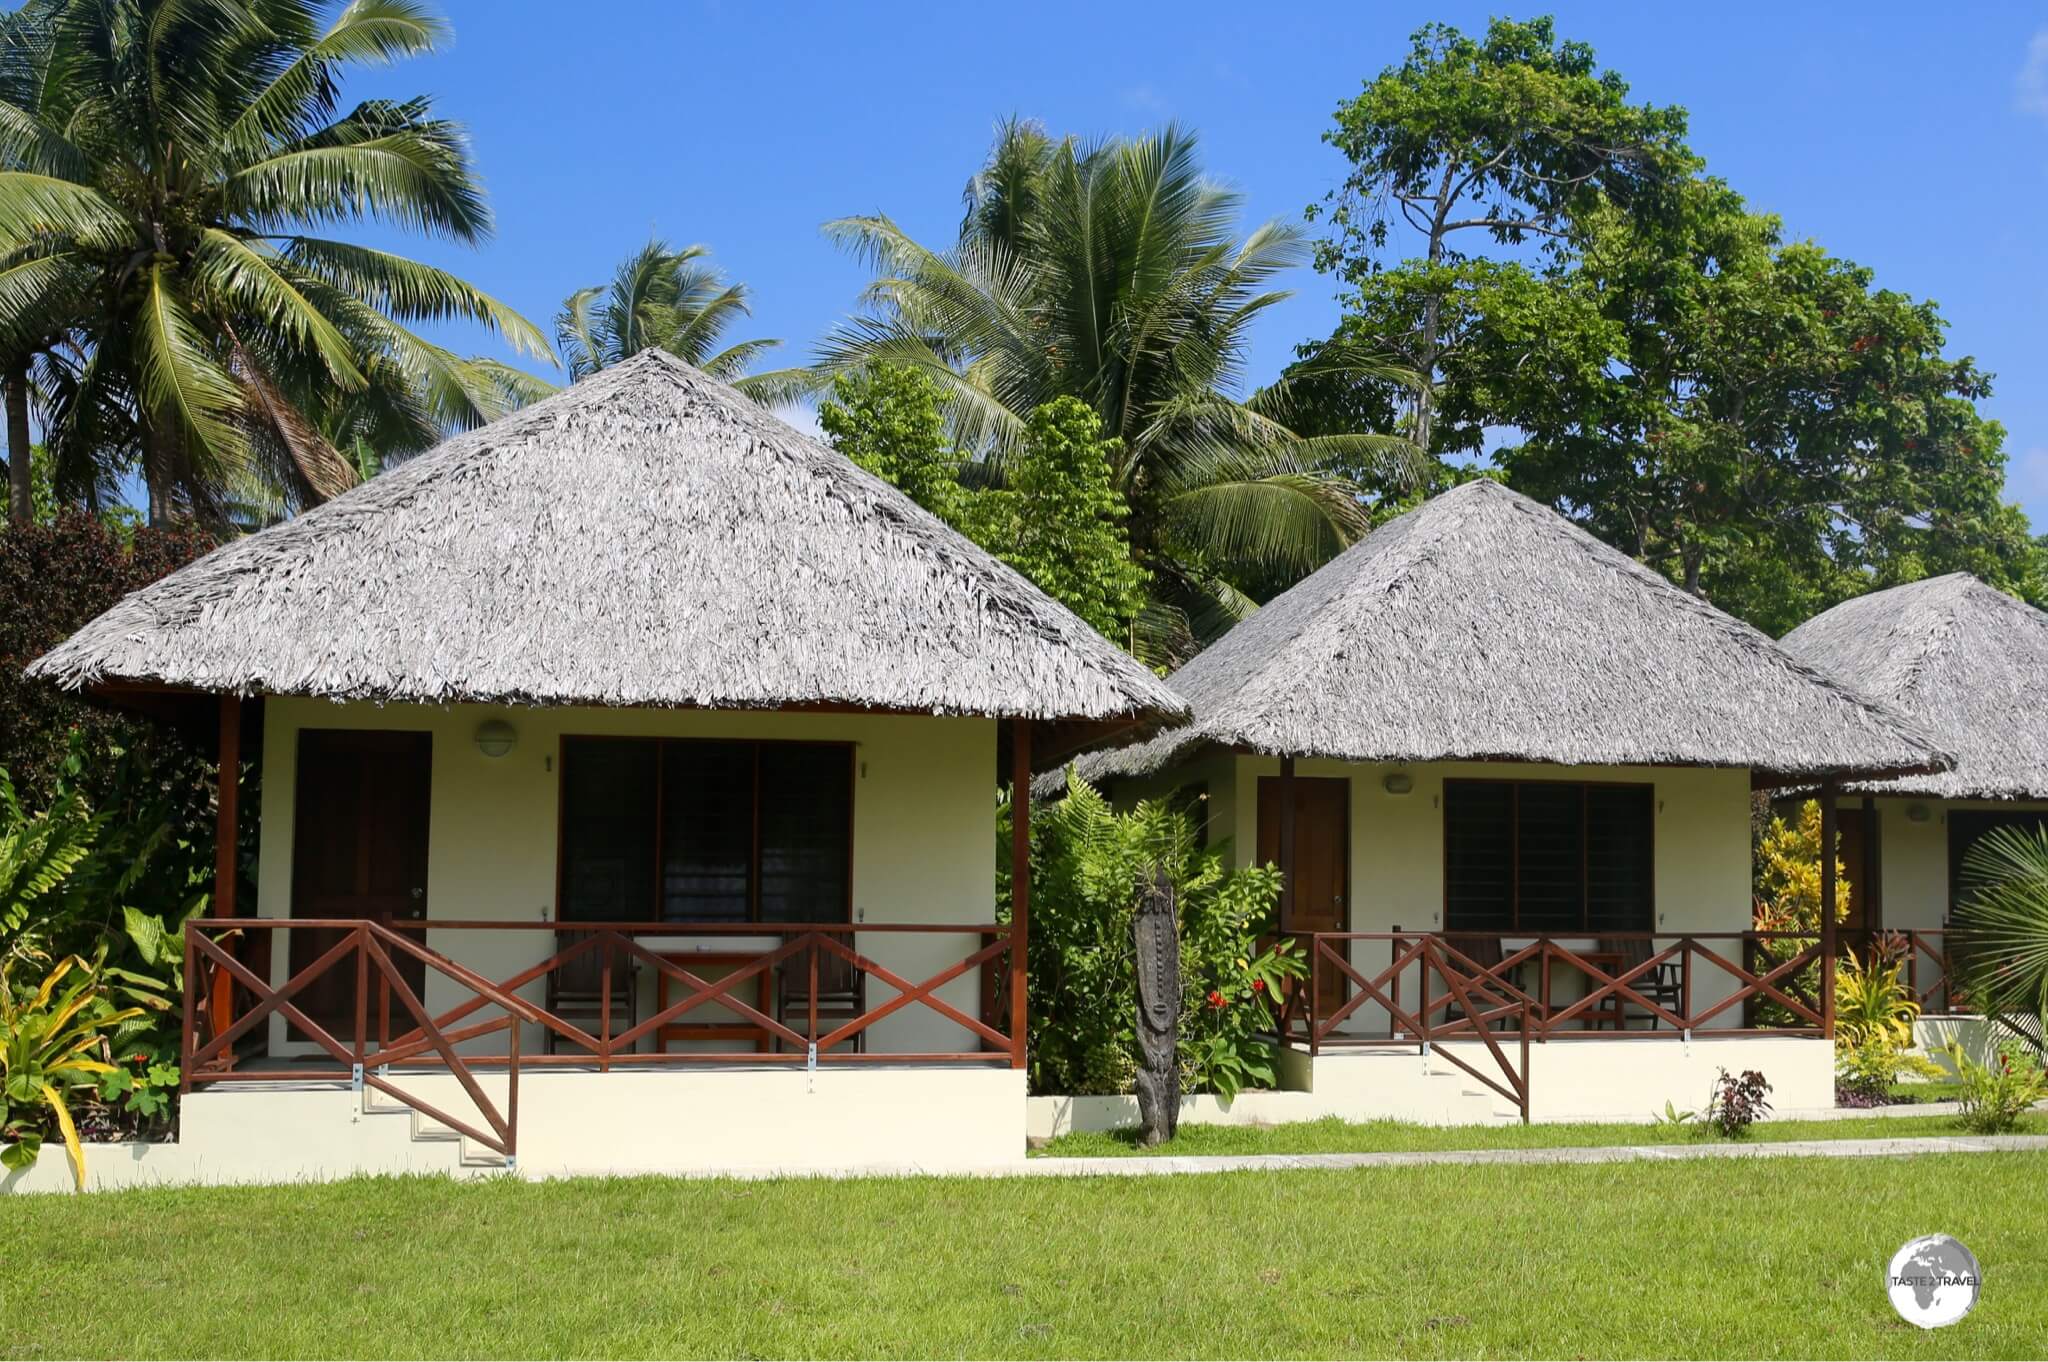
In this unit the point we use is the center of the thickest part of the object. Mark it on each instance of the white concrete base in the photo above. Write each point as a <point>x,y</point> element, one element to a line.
<point>1932,1033</point>
<point>1568,1081</point>
<point>686,1122</point>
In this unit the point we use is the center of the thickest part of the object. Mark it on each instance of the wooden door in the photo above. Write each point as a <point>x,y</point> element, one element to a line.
<point>359,850</point>
<point>1322,860</point>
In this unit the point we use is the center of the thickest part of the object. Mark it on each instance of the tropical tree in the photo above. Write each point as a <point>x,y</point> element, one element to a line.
<point>662,299</point>
<point>1505,138</point>
<point>1112,274</point>
<point>161,199</point>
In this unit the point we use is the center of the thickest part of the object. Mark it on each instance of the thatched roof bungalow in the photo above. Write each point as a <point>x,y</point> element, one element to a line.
<point>1482,721</point>
<point>636,676</point>
<point>1968,663</point>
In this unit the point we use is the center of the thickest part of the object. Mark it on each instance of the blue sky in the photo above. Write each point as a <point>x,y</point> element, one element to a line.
<point>1912,138</point>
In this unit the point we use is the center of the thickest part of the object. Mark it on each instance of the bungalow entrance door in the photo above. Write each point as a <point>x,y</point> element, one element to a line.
<point>359,850</point>
<point>1322,861</point>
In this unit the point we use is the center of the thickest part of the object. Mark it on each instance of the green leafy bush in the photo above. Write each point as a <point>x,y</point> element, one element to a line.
<point>58,1039</point>
<point>1874,1015</point>
<point>1996,1095</point>
<point>1088,862</point>
<point>1787,889</point>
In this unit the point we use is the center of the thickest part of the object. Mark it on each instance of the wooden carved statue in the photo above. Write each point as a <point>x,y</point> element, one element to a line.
<point>1155,935</point>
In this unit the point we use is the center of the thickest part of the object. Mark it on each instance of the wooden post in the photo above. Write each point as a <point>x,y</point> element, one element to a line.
<point>1020,884</point>
<point>1828,799</point>
<point>226,836</point>
<point>1287,844</point>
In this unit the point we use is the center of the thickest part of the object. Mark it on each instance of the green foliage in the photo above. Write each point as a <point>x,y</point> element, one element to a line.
<point>1059,520</point>
<point>1785,861</point>
<point>1087,865</point>
<point>164,272</point>
<point>1508,138</point>
<point>659,299</point>
<point>39,854</point>
<point>1671,1116</point>
<point>56,1038</point>
<point>1751,416</point>
<point>1999,932</point>
<point>1112,274</point>
<point>1787,874</point>
<point>1874,1014</point>
<point>1996,1095</point>
<point>56,578</point>
<point>888,420</point>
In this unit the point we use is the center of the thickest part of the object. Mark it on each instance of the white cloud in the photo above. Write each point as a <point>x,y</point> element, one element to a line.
<point>2031,93</point>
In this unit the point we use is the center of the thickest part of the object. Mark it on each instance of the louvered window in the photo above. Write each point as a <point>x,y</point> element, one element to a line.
<point>1547,857</point>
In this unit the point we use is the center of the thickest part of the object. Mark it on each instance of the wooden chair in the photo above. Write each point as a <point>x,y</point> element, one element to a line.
<point>1663,985</point>
<point>842,994</point>
<point>576,991</point>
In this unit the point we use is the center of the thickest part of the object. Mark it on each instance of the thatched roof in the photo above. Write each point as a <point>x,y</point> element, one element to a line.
<point>1965,660</point>
<point>646,537</point>
<point>1483,626</point>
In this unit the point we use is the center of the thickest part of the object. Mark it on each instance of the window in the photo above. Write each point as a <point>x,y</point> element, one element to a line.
<point>1547,857</point>
<point>683,830</point>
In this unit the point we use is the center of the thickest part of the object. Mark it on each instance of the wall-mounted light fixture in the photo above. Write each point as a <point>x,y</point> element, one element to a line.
<point>1398,783</point>
<point>495,737</point>
<point>1918,813</point>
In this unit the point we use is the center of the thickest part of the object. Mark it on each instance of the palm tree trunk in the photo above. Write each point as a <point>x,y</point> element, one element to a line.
<point>20,500</point>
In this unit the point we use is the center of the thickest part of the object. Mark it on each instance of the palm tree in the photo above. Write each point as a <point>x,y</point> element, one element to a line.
<point>2000,928</point>
<point>165,167</point>
<point>660,299</point>
<point>1113,274</point>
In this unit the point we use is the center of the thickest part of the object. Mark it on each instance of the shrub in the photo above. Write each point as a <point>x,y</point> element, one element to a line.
<point>56,578</point>
<point>1787,888</point>
<point>1737,1103</point>
<point>1088,863</point>
<point>1874,1016</point>
<point>57,1040</point>
<point>1996,1095</point>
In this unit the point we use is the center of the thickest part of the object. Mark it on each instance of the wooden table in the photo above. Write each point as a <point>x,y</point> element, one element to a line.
<point>736,1029</point>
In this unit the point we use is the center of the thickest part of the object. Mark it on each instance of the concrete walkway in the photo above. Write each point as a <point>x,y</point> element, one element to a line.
<point>1139,1165</point>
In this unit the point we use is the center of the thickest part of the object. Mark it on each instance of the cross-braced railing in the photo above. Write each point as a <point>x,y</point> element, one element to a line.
<point>768,994</point>
<point>1424,987</point>
<point>211,1033</point>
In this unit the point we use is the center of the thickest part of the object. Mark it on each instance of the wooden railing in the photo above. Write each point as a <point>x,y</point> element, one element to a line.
<point>1472,1003</point>
<point>804,951</point>
<point>1638,984</point>
<point>208,1048</point>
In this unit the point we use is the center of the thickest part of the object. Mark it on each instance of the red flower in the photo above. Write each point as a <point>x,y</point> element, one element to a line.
<point>1217,1000</point>
<point>1258,985</point>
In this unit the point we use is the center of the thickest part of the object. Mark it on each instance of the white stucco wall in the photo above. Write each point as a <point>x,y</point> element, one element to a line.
<point>1702,848</point>
<point>923,838</point>
<point>1913,855</point>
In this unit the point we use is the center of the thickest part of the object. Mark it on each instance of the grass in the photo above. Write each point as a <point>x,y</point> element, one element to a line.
<point>1334,1136</point>
<point>1744,1258</point>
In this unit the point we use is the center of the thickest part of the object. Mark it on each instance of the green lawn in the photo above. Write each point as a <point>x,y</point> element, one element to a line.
<point>1334,1136</point>
<point>1741,1258</point>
